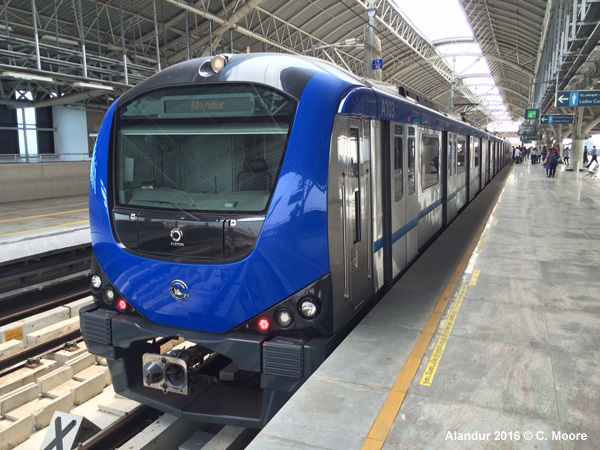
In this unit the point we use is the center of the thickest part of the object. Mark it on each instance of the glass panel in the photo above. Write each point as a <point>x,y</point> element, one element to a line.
<point>476,152</point>
<point>355,172</point>
<point>460,154</point>
<point>451,155</point>
<point>203,148</point>
<point>430,160</point>
<point>411,163</point>
<point>398,164</point>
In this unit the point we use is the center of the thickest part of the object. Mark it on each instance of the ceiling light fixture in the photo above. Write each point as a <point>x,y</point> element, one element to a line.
<point>92,86</point>
<point>27,76</point>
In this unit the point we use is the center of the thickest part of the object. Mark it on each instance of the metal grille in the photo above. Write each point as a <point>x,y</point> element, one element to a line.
<point>283,357</point>
<point>95,326</point>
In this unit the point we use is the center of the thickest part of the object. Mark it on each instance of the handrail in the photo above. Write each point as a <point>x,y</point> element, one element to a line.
<point>44,158</point>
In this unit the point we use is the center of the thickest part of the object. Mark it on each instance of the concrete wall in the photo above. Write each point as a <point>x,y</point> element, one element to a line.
<point>20,182</point>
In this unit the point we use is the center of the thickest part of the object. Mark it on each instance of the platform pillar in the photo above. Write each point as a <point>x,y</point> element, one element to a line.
<point>576,158</point>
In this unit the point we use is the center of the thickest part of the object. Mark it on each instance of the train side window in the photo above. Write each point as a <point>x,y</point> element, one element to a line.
<point>461,144</point>
<point>411,161</point>
<point>451,155</point>
<point>476,152</point>
<point>398,163</point>
<point>430,161</point>
<point>355,150</point>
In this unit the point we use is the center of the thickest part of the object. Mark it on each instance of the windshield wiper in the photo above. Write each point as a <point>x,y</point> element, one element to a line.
<point>176,205</point>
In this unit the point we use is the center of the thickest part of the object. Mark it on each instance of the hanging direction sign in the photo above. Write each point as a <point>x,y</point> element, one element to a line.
<point>532,114</point>
<point>527,130</point>
<point>556,119</point>
<point>565,99</point>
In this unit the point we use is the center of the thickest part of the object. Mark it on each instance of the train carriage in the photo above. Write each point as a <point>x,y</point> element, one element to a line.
<point>245,211</point>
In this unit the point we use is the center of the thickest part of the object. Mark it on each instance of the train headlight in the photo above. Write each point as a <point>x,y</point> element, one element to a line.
<point>109,295</point>
<point>96,281</point>
<point>284,318</point>
<point>308,308</point>
<point>217,63</point>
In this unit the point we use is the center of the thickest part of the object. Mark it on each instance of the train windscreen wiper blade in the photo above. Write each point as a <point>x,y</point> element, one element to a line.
<point>176,205</point>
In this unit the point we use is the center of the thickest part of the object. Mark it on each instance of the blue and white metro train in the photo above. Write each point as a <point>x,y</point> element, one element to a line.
<point>244,211</point>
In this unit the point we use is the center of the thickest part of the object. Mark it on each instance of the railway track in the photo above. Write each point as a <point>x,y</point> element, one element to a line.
<point>44,376</point>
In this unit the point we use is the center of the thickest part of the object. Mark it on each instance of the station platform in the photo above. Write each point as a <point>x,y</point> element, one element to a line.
<point>490,340</point>
<point>36,227</point>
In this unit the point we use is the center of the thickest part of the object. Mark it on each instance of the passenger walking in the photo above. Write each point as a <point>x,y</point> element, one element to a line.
<point>594,154</point>
<point>517,155</point>
<point>553,160</point>
<point>544,154</point>
<point>566,156</point>
<point>585,153</point>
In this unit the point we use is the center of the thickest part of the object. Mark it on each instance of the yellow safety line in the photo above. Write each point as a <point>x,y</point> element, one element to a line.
<point>438,351</point>
<point>46,228</point>
<point>387,415</point>
<point>482,242</point>
<point>43,215</point>
<point>474,278</point>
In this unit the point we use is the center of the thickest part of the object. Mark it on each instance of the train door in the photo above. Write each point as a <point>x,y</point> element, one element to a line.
<point>403,195</point>
<point>356,213</point>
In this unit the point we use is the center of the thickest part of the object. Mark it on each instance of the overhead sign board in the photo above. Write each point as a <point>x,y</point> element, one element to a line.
<point>377,64</point>
<point>532,114</point>
<point>548,119</point>
<point>525,138</point>
<point>528,130</point>
<point>590,99</point>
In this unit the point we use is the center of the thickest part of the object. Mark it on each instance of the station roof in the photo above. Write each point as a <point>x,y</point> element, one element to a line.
<point>532,47</point>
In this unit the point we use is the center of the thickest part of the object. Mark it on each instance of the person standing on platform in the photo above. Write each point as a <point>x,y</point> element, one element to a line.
<point>566,155</point>
<point>594,154</point>
<point>585,153</point>
<point>553,160</point>
<point>517,155</point>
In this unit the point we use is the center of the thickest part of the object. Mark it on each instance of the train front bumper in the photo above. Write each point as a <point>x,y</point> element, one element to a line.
<point>273,369</point>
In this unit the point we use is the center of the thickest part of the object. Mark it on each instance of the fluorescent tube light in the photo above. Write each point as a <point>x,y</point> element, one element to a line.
<point>27,76</point>
<point>64,41</point>
<point>92,86</point>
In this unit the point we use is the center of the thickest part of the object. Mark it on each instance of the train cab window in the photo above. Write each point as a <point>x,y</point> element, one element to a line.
<point>213,148</point>
<point>398,163</point>
<point>461,145</point>
<point>411,161</point>
<point>430,161</point>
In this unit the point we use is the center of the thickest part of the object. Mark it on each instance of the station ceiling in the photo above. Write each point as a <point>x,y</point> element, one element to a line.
<point>74,51</point>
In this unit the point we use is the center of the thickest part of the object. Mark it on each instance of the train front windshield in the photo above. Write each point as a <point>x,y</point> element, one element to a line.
<point>211,148</point>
